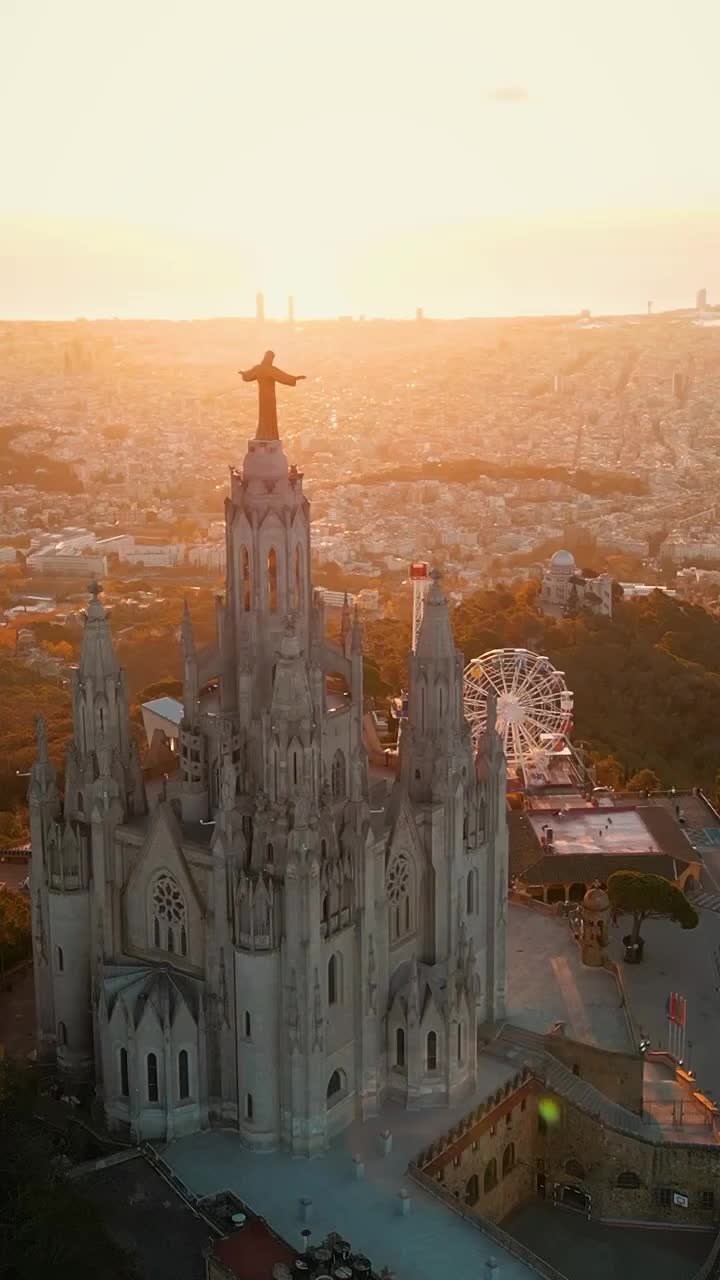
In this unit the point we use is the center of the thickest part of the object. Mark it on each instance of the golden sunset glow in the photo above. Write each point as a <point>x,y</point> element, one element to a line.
<point>168,157</point>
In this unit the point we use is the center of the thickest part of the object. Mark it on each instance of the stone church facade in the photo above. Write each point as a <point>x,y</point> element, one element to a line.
<point>282,936</point>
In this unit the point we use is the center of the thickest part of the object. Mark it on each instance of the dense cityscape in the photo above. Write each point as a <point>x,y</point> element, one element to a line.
<point>545,486</point>
<point>503,438</point>
<point>359,641</point>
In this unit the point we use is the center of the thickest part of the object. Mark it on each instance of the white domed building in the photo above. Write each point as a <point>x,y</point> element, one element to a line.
<point>565,588</point>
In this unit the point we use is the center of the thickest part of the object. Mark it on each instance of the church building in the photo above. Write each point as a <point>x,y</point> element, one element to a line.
<point>283,935</point>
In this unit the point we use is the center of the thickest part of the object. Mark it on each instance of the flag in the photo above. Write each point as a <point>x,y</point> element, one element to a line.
<point>672,1007</point>
<point>681,1011</point>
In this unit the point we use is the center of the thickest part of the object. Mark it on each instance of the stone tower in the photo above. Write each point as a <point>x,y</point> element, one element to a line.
<point>283,934</point>
<point>72,842</point>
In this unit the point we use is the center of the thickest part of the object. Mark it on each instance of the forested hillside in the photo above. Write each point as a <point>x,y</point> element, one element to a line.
<point>646,683</point>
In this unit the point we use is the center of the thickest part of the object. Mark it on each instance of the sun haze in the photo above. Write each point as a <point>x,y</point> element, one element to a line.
<point>170,158</point>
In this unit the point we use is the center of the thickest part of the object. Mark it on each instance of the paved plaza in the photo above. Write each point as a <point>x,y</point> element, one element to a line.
<point>681,960</point>
<point>547,983</point>
<point>583,1250</point>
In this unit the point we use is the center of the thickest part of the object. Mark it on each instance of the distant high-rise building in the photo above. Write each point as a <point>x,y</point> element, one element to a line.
<point>650,307</point>
<point>701,299</point>
<point>260,308</point>
<point>291,309</point>
<point>419,314</point>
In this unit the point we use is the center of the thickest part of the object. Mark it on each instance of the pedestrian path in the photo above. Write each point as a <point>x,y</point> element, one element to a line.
<point>707,901</point>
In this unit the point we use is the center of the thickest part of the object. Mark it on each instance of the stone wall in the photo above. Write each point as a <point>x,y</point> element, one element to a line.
<point>626,1177</point>
<point>618,1075</point>
<point>611,1161</point>
<point>504,1133</point>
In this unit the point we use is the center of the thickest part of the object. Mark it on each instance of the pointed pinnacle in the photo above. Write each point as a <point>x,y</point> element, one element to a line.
<point>356,638</point>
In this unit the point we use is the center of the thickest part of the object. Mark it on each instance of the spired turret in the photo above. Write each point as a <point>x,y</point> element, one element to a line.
<point>435,744</point>
<point>458,805</point>
<point>72,843</point>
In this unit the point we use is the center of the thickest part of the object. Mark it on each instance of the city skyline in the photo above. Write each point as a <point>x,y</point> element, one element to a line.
<point>520,162</point>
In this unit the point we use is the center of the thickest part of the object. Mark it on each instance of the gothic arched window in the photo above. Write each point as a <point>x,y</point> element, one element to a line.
<point>490,1176</point>
<point>169,914</point>
<point>472,1190</point>
<point>152,1078</point>
<point>431,1051</point>
<point>298,579</point>
<point>472,894</point>
<point>339,775</point>
<point>245,571</point>
<point>399,887</point>
<point>508,1161</point>
<point>459,1041</point>
<point>124,1078</point>
<point>337,1085</point>
<point>183,1074</point>
<point>61,1033</point>
<point>272,580</point>
<point>247,1023</point>
<point>335,979</point>
<point>399,1047</point>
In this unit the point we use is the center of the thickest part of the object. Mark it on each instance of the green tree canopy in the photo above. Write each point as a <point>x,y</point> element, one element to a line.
<point>48,1229</point>
<point>644,780</point>
<point>645,896</point>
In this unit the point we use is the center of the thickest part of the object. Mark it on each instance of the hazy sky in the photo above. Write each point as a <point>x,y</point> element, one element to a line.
<point>169,157</point>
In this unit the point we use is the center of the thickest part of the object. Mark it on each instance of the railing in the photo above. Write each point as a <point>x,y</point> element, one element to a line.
<point>490,1229</point>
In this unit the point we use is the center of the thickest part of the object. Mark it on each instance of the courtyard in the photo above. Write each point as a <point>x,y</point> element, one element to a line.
<point>583,1250</point>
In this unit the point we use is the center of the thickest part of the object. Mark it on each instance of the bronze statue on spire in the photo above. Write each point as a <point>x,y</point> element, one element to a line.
<point>266,375</point>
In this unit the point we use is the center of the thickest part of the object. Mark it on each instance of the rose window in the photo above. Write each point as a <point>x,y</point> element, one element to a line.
<point>398,881</point>
<point>168,900</point>
<point>399,893</point>
<point>169,916</point>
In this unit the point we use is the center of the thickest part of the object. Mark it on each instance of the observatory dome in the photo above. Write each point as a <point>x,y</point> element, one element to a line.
<point>564,561</point>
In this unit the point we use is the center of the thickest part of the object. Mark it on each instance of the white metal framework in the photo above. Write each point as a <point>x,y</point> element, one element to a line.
<point>534,705</point>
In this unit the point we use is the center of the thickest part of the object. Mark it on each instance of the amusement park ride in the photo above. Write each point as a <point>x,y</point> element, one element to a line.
<point>534,707</point>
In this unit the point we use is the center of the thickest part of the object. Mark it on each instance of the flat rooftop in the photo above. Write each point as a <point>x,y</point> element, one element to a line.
<point>430,1242</point>
<point>548,983</point>
<point>147,1218</point>
<point>610,831</point>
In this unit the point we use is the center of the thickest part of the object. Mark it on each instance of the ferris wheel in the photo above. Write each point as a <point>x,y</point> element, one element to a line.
<point>534,705</point>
